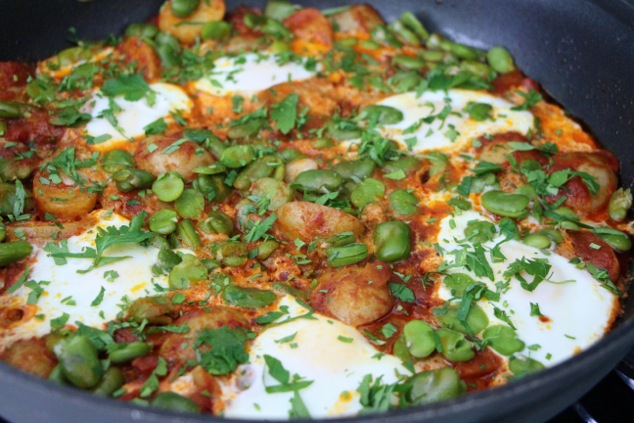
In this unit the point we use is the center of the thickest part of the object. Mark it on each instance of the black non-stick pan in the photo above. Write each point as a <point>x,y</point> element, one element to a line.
<point>581,51</point>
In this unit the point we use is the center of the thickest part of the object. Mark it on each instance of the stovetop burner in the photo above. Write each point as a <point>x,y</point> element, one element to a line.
<point>612,400</point>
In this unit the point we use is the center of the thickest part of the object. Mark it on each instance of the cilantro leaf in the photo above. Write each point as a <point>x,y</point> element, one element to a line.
<point>402,292</point>
<point>227,349</point>
<point>284,113</point>
<point>531,98</point>
<point>131,87</point>
<point>538,268</point>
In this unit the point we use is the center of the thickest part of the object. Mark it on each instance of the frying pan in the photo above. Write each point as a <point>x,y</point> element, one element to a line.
<point>581,51</point>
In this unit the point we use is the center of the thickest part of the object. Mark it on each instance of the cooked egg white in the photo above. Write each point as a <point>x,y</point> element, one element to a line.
<point>134,116</point>
<point>437,119</point>
<point>577,308</point>
<point>333,355</point>
<point>249,74</point>
<point>65,291</point>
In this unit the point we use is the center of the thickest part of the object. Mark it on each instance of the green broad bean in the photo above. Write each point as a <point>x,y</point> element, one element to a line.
<point>217,30</point>
<point>503,339</point>
<point>521,366</point>
<point>618,240</point>
<point>163,38</point>
<point>267,248</point>
<point>217,223</point>
<point>407,164</point>
<point>73,55</point>
<point>166,260</point>
<point>537,240</point>
<point>279,9</point>
<point>112,380</point>
<point>163,222</point>
<point>553,234</point>
<point>116,160</point>
<point>342,131</point>
<point>212,169</point>
<point>359,169</point>
<point>283,288</point>
<point>211,264</point>
<point>402,61</point>
<point>57,375</point>
<point>369,191</point>
<point>476,319</point>
<point>347,254</point>
<point>212,187</point>
<point>144,31</point>
<point>190,205</point>
<point>438,161</point>
<point>400,349</point>
<point>620,203</point>
<point>168,186</point>
<point>231,253</point>
<point>403,202</point>
<point>504,204</point>
<point>460,50</point>
<point>248,297</point>
<point>455,347</point>
<point>3,128</point>
<point>458,283</point>
<point>169,55</point>
<point>369,45</point>
<point>346,43</point>
<point>317,180</point>
<point>187,234</point>
<point>500,59</point>
<point>420,338</point>
<point>276,192</point>
<point>382,34</point>
<point>279,47</point>
<point>341,239</point>
<point>432,55</point>
<point>290,154</point>
<point>527,190</point>
<point>155,310</point>
<point>380,115</point>
<point>257,169</point>
<point>569,218</point>
<point>479,231</point>
<point>237,156</point>
<point>10,252</point>
<point>479,111</point>
<point>392,241</point>
<point>320,143</point>
<point>128,352</point>
<point>130,179</point>
<point>3,231</point>
<point>404,81</point>
<point>476,68</point>
<point>434,385</point>
<point>189,270</point>
<point>175,402</point>
<point>246,129</point>
<point>13,109</point>
<point>403,33</point>
<point>184,8</point>
<point>411,21</point>
<point>80,364</point>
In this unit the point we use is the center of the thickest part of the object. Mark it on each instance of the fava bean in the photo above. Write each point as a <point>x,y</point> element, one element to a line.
<point>402,61</point>
<point>130,179</point>
<point>381,115</point>
<point>246,129</point>
<point>3,128</point>
<point>537,240</point>
<point>432,55</point>
<point>521,366</point>
<point>116,160</point>
<point>476,319</point>
<point>184,8</point>
<point>476,68</point>
<point>403,202</point>
<point>317,180</point>
<point>212,169</point>
<point>128,352</point>
<point>168,186</point>
<point>73,55</point>
<point>143,31</point>
<point>341,239</point>
<point>407,164</point>
<point>112,380</point>
<point>231,253</point>
<point>360,169</point>
<point>438,161</point>
<point>247,297</point>
<point>283,288</point>
<point>155,310</point>
<point>266,249</point>
<point>504,204</point>
<point>163,222</point>
<point>212,187</point>
<point>169,55</point>
<point>381,34</point>
<point>237,156</point>
<point>369,191</point>
<point>500,59</point>
<point>290,154</point>
<point>279,9</point>
<point>190,205</point>
<point>57,375</point>
<point>620,203</point>
<point>392,241</point>
<point>369,45</point>
<point>503,339</point>
<point>420,338</point>
<point>187,234</point>
<point>434,385</point>
<point>13,109</point>
<point>3,231</point>
<point>80,364</point>
<point>10,252</point>
<point>458,283</point>
<point>403,33</point>
<point>404,81</point>
<point>175,402</point>
<point>479,111</point>
<point>618,240</point>
<point>347,254</point>
<point>276,192</point>
<point>455,347</point>
<point>189,270</point>
<point>527,190</point>
<point>217,223</point>
<point>257,169</point>
<point>218,30</point>
<point>166,260</point>
<point>342,130</point>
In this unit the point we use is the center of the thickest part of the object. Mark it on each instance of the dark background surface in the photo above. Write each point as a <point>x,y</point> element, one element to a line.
<point>582,51</point>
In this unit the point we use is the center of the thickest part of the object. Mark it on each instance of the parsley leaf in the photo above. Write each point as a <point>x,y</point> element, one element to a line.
<point>531,98</point>
<point>402,292</point>
<point>538,268</point>
<point>131,87</point>
<point>284,113</point>
<point>228,349</point>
